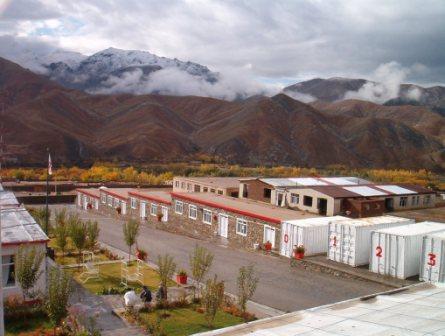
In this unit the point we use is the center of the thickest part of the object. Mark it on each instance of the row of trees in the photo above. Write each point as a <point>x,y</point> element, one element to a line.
<point>160,174</point>
<point>210,291</point>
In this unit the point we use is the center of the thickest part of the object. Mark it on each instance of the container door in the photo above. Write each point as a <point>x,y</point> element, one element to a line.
<point>393,258</point>
<point>143,209</point>
<point>334,242</point>
<point>164,214</point>
<point>223,225</point>
<point>286,239</point>
<point>269,235</point>
<point>433,259</point>
<point>346,246</point>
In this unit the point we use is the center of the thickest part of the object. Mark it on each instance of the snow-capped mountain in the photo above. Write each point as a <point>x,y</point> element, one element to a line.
<point>115,70</point>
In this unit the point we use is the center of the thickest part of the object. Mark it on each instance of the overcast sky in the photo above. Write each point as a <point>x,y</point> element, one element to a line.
<point>277,41</point>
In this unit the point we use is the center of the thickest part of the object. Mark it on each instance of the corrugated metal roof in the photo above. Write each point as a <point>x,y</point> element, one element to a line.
<point>365,191</point>
<point>395,189</point>
<point>8,198</point>
<point>308,181</point>
<point>279,182</point>
<point>415,229</point>
<point>18,226</point>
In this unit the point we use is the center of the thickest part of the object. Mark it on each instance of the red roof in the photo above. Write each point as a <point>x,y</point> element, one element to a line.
<point>93,192</point>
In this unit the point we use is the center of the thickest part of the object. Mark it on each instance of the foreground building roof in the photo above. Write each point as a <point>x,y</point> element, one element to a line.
<point>417,311</point>
<point>243,206</point>
<point>19,227</point>
<point>8,199</point>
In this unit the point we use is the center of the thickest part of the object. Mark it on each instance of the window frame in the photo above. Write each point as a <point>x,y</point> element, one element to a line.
<point>153,209</point>
<point>11,273</point>
<point>305,197</point>
<point>243,222</point>
<point>133,202</point>
<point>403,202</point>
<point>204,212</point>
<point>177,205</point>
<point>292,196</point>
<point>103,199</point>
<point>195,209</point>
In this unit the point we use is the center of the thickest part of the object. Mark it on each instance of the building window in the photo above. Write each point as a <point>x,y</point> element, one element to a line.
<point>179,207</point>
<point>403,201</point>
<point>8,271</point>
<point>207,216</point>
<point>415,200</point>
<point>205,189</point>
<point>182,185</point>
<point>427,199</point>
<point>294,198</point>
<point>193,212</point>
<point>116,203</point>
<point>103,199</point>
<point>153,209</point>
<point>110,201</point>
<point>197,188</point>
<point>220,192</point>
<point>133,202</point>
<point>189,186</point>
<point>212,190</point>
<point>267,192</point>
<point>307,201</point>
<point>241,227</point>
<point>234,194</point>
<point>177,184</point>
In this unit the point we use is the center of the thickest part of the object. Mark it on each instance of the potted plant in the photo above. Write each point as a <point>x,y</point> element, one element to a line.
<point>141,254</point>
<point>268,246</point>
<point>181,277</point>
<point>299,252</point>
<point>160,215</point>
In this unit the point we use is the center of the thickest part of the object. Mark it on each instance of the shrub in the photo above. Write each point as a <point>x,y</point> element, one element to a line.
<point>27,268</point>
<point>212,297</point>
<point>166,269</point>
<point>247,283</point>
<point>131,232</point>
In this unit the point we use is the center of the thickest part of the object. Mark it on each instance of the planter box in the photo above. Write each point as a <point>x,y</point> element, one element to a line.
<point>181,279</point>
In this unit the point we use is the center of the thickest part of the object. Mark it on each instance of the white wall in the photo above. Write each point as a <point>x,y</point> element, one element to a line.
<point>41,283</point>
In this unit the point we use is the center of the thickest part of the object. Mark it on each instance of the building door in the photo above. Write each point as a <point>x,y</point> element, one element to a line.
<point>223,225</point>
<point>164,214</point>
<point>124,208</point>
<point>279,199</point>
<point>389,204</point>
<point>269,235</point>
<point>322,205</point>
<point>85,202</point>
<point>96,204</point>
<point>143,210</point>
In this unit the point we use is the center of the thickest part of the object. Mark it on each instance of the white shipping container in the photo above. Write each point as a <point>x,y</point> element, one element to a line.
<point>312,233</point>
<point>397,252</point>
<point>432,268</point>
<point>350,240</point>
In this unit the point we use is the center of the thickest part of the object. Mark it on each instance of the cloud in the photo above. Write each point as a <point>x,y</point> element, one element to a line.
<point>303,97</point>
<point>386,85</point>
<point>414,94</point>
<point>279,39</point>
<point>173,81</point>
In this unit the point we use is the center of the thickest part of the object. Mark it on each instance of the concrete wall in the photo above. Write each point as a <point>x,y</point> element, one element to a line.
<point>423,202</point>
<point>135,212</point>
<point>255,190</point>
<point>41,282</point>
<point>333,206</point>
<point>182,184</point>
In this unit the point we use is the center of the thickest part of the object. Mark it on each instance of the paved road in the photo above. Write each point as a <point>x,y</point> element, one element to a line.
<point>280,286</point>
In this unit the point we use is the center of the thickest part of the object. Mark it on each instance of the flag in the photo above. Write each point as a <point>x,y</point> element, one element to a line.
<point>50,165</point>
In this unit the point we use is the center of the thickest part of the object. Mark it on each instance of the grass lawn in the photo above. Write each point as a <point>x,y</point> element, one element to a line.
<point>70,253</point>
<point>110,277</point>
<point>27,326</point>
<point>187,321</point>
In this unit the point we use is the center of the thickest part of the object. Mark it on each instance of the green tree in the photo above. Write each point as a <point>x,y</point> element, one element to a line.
<point>61,231</point>
<point>57,300</point>
<point>247,283</point>
<point>39,215</point>
<point>27,268</point>
<point>166,269</point>
<point>200,262</point>
<point>212,297</point>
<point>131,232</point>
<point>78,234</point>
<point>92,234</point>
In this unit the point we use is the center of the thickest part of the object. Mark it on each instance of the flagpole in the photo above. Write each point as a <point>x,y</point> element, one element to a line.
<point>47,193</point>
